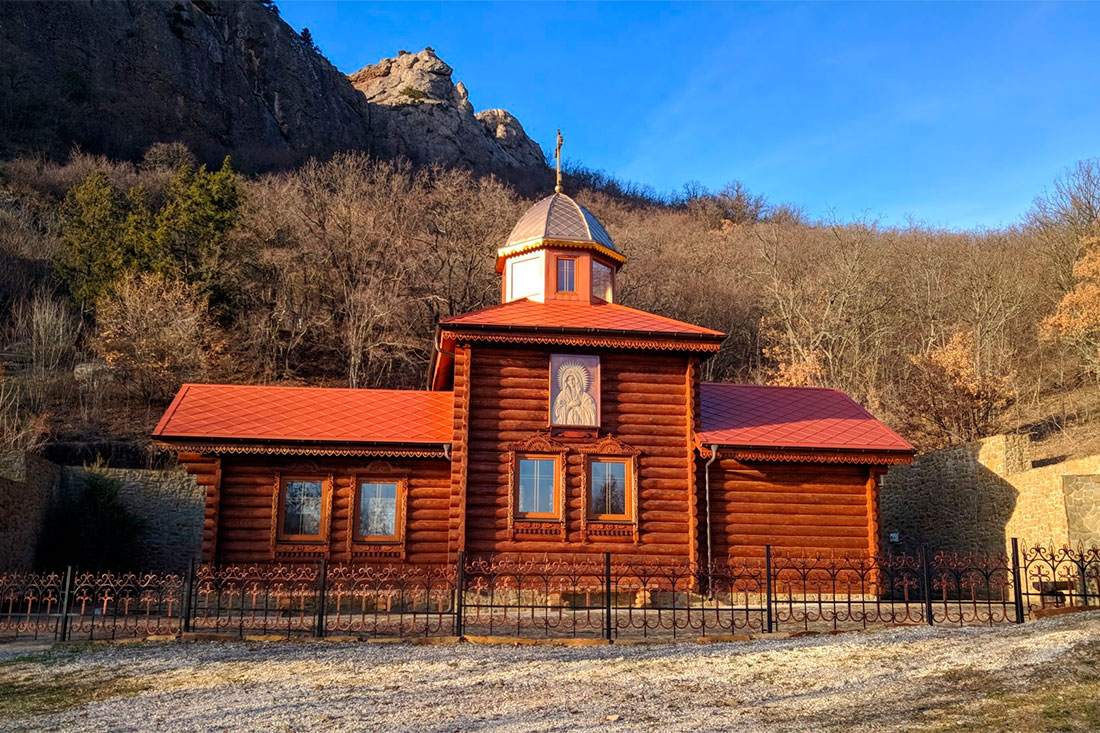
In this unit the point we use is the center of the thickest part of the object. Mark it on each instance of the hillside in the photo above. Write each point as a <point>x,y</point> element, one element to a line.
<point>948,336</point>
<point>229,78</point>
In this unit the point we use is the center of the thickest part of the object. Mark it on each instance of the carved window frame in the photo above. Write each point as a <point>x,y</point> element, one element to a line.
<point>401,487</point>
<point>523,526</point>
<point>378,546</point>
<point>295,543</point>
<point>610,449</point>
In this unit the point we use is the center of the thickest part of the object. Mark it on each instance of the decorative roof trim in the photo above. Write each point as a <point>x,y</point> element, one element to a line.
<point>298,450</point>
<point>778,455</point>
<point>533,244</point>
<point>664,344</point>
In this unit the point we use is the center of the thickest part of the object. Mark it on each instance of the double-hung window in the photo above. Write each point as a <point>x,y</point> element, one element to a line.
<point>301,504</point>
<point>377,511</point>
<point>537,487</point>
<point>609,489</point>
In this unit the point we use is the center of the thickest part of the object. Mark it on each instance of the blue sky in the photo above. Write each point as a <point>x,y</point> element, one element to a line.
<point>957,115</point>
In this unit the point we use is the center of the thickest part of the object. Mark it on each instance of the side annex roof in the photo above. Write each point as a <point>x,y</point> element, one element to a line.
<point>791,418</point>
<point>307,414</point>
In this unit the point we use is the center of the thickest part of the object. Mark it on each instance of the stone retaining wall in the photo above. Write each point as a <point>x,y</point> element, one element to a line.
<point>976,497</point>
<point>1083,509</point>
<point>169,504</point>
<point>28,487</point>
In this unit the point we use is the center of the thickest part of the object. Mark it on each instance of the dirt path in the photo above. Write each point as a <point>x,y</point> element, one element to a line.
<point>1043,675</point>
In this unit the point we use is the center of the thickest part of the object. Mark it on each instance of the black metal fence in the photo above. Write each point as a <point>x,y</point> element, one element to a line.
<point>595,597</point>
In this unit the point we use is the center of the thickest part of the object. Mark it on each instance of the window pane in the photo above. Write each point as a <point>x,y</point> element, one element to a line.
<point>302,507</point>
<point>608,493</point>
<point>536,486</point>
<point>377,509</point>
<point>565,275</point>
<point>525,278</point>
<point>601,281</point>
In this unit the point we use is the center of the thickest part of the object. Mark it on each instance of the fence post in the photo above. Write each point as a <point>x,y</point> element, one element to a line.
<point>460,582</point>
<point>66,592</point>
<point>768,585</point>
<point>319,629</point>
<point>926,582</point>
<point>607,597</point>
<point>1081,568</point>
<point>188,593</point>
<point>1017,589</point>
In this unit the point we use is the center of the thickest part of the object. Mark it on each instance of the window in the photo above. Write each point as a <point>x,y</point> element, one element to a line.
<point>608,489</point>
<point>376,511</point>
<point>525,278</point>
<point>566,278</point>
<point>302,503</point>
<point>536,487</point>
<point>601,282</point>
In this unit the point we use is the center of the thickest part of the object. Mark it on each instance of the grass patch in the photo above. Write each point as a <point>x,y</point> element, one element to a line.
<point>27,695</point>
<point>30,685</point>
<point>1064,697</point>
<point>55,655</point>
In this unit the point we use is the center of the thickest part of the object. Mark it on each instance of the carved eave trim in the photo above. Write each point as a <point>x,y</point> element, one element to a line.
<point>873,458</point>
<point>597,340</point>
<point>539,242</point>
<point>288,449</point>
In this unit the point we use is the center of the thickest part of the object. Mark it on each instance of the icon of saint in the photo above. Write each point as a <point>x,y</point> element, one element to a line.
<point>573,405</point>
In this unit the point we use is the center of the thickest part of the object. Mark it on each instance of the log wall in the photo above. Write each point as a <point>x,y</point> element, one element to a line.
<point>649,405</point>
<point>645,404</point>
<point>794,507</point>
<point>244,510</point>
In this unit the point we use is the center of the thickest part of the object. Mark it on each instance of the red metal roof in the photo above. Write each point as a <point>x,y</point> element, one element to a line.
<point>566,316</point>
<point>242,412</point>
<point>790,417</point>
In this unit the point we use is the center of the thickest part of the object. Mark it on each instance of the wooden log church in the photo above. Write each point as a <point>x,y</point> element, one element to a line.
<point>556,424</point>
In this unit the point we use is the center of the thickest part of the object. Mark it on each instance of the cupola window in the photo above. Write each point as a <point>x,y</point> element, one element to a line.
<point>525,278</point>
<point>567,275</point>
<point>601,282</point>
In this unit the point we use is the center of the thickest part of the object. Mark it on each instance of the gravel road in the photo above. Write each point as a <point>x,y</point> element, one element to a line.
<point>889,679</point>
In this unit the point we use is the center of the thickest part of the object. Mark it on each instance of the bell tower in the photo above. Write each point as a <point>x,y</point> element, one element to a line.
<point>558,251</point>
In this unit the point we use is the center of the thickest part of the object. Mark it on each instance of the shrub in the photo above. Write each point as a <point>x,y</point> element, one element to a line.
<point>92,530</point>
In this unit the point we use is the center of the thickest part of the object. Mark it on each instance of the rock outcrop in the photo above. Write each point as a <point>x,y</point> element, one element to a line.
<point>421,113</point>
<point>224,78</point>
<point>230,78</point>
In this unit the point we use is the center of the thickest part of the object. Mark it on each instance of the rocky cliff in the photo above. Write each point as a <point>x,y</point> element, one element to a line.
<point>229,78</point>
<point>421,113</point>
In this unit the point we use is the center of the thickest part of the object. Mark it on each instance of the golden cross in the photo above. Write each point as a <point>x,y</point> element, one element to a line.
<point>557,154</point>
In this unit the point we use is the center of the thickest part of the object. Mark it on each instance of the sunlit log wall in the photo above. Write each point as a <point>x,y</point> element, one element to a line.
<point>795,507</point>
<point>645,405</point>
